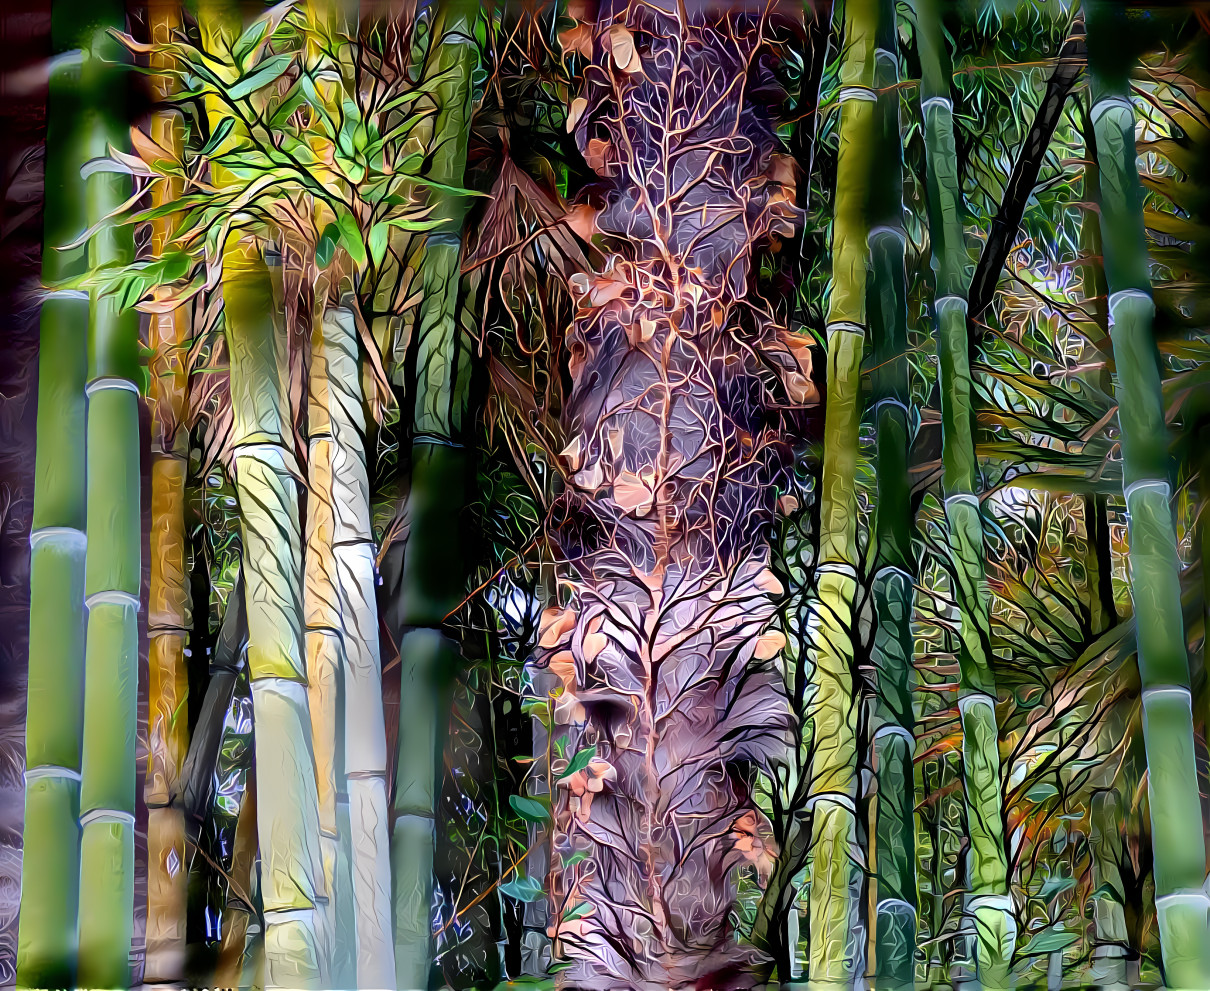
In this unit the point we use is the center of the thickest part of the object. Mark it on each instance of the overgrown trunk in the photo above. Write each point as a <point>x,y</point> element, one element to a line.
<point>1176,816</point>
<point>893,584</point>
<point>113,572</point>
<point>169,612</point>
<point>432,571</point>
<point>989,902</point>
<point>669,692</point>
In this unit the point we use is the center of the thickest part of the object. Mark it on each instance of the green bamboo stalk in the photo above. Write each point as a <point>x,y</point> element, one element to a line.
<point>836,957</point>
<point>112,569</point>
<point>266,475</point>
<point>46,949</point>
<point>432,572</point>
<point>989,902</point>
<point>1182,906</point>
<point>893,586</point>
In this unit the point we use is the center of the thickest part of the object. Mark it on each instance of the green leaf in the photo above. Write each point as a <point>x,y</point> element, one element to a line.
<point>580,761</point>
<point>523,888</point>
<point>1049,941</point>
<point>528,809</point>
<point>249,40</point>
<point>1041,792</point>
<point>575,858</point>
<point>261,77</point>
<point>378,242</point>
<point>350,238</point>
<point>218,136</point>
<point>1055,885</point>
<point>325,248</point>
<point>578,912</point>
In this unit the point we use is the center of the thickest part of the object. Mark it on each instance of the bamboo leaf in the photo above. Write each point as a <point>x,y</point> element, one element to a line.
<point>523,889</point>
<point>261,77</point>
<point>529,809</point>
<point>580,761</point>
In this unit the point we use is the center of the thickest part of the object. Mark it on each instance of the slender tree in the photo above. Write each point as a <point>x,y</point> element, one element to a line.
<point>113,565</point>
<point>836,954</point>
<point>266,478</point>
<point>1177,825</point>
<point>894,572</point>
<point>46,952</point>
<point>989,902</point>
<point>169,609</point>
<point>432,569</point>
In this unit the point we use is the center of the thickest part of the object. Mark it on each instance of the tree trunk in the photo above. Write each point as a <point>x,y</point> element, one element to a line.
<point>432,569</point>
<point>169,618</point>
<point>1176,816</point>
<point>266,480</point>
<point>112,571</point>
<point>669,690</point>
<point>894,563</point>
<point>990,903</point>
<point>46,952</point>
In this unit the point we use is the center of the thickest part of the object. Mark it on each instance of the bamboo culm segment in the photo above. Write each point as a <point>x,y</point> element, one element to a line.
<point>989,903</point>
<point>112,569</point>
<point>169,608</point>
<point>836,956</point>
<point>432,572</point>
<point>266,482</point>
<point>893,587</point>
<point>47,940</point>
<point>1177,824</point>
<point>341,581</point>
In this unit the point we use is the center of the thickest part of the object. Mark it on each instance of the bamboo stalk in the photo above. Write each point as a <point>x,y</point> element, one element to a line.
<point>836,955</point>
<point>893,586</point>
<point>432,575</point>
<point>46,949</point>
<point>989,902</point>
<point>112,571</point>
<point>342,635</point>
<point>266,479</point>
<point>1177,825</point>
<point>169,612</point>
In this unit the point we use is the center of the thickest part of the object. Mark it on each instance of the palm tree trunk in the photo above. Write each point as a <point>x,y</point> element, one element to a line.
<point>340,566</point>
<point>894,579</point>
<point>266,480</point>
<point>989,902</point>
<point>112,572</point>
<point>169,597</point>
<point>432,569</point>
<point>46,951</point>
<point>658,634</point>
<point>836,956</point>
<point>1176,816</point>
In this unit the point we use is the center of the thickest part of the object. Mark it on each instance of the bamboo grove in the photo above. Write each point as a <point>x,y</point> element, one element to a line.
<point>620,494</point>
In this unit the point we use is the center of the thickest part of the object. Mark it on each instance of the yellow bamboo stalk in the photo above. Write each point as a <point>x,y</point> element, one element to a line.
<point>169,603</point>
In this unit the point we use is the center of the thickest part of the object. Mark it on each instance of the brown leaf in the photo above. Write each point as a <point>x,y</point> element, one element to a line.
<point>632,494</point>
<point>575,111</point>
<point>554,625</point>
<point>582,219</point>
<point>621,45</point>
<point>769,645</point>
<point>577,39</point>
<point>597,154</point>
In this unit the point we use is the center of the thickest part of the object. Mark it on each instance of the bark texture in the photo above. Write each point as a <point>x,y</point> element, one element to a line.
<point>667,669</point>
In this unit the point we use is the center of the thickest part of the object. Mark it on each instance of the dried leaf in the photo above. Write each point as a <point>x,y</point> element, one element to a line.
<point>621,46</point>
